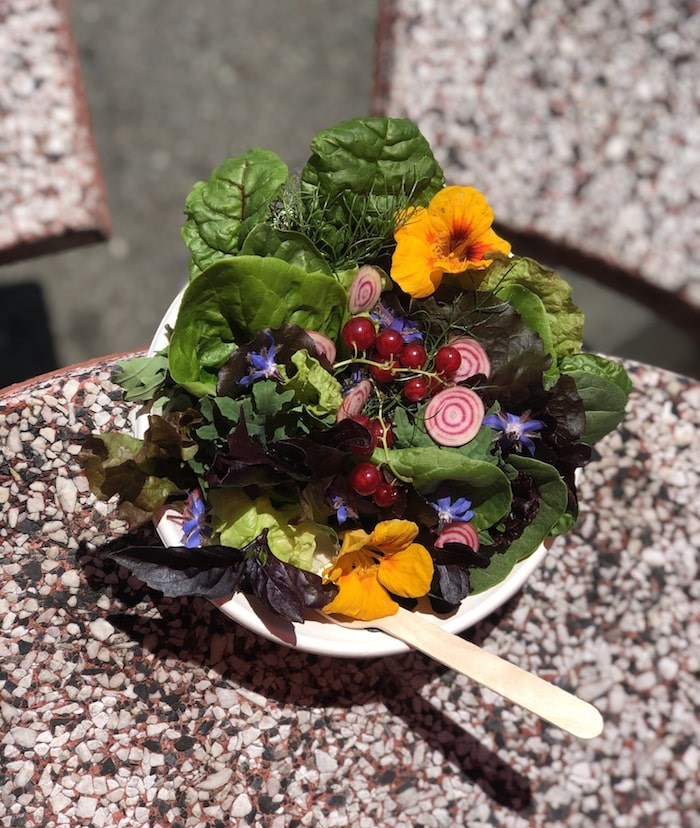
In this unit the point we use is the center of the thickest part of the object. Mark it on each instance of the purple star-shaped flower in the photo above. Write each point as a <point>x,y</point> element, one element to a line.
<point>343,510</point>
<point>194,520</point>
<point>516,432</point>
<point>448,511</point>
<point>262,364</point>
<point>385,317</point>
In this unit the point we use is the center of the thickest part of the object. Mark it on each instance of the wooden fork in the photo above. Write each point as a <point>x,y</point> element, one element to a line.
<point>546,700</point>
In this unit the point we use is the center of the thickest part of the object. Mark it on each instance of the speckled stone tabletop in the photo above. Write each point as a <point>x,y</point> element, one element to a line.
<point>120,708</point>
<point>578,119</point>
<point>51,194</point>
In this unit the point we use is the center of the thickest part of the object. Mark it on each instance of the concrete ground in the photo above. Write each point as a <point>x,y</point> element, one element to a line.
<point>174,87</point>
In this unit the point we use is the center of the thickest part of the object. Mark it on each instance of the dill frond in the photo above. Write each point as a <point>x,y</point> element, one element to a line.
<point>348,228</point>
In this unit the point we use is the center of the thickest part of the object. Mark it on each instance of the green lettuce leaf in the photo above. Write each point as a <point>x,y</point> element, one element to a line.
<point>222,211</point>
<point>564,318</point>
<point>239,519</point>
<point>553,503</point>
<point>235,298</point>
<point>481,481</point>
<point>604,387</point>
<point>313,386</point>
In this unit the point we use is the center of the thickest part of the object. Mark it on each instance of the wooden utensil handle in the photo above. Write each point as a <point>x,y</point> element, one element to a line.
<point>526,689</point>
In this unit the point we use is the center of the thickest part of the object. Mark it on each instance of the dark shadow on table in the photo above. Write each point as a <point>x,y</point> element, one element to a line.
<point>26,344</point>
<point>194,631</point>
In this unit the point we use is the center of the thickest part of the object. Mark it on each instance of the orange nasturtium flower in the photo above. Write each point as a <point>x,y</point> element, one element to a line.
<point>368,567</point>
<point>452,234</point>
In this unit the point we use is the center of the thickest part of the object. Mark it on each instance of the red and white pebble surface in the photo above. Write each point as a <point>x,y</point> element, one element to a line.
<point>52,195</point>
<point>121,708</point>
<point>577,120</point>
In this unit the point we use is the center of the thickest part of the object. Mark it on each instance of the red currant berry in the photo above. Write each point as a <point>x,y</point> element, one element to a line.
<point>416,389</point>
<point>365,478</point>
<point>385,495</point>
<point>380,433</point>
<point>383,373</point>
<point>413,355</point>
<point>447,360</point>
<point>389,342</point>
<point>359,333</point>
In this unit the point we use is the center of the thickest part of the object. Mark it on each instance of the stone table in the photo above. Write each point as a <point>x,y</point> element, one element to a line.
<point>578,121</point>
<point>121,708</point>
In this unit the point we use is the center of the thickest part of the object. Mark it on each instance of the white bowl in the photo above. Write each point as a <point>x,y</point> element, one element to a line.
<point>316,635</point>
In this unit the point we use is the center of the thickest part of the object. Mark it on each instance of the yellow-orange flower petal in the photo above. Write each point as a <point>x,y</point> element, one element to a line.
<point>451,235</point>
<point>370,564</point>
<point>360,595</point>
<point>408,573</point>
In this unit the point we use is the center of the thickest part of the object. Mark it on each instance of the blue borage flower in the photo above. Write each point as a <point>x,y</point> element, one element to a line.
<point>262,364</point>
<point>449,512</point>
<point>342,509</point>
<point>516,432</point>
<point>194,520</point>
<point>385,318</point>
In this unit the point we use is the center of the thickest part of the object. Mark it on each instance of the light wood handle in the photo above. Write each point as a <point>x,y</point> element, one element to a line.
<point>526,689</point>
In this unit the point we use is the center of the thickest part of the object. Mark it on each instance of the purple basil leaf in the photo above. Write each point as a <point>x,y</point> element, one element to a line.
<point>450,586</point>
<point>323,452</point>
<point>210,572</point>
<point>284,588</point>
<point>243,462</point>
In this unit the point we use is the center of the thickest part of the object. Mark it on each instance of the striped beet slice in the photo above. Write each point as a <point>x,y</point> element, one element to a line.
<point>458,532</point>
<point>475,360</point>
<point>354,401</point>
<point>454,416</point>
<point>365,289</point>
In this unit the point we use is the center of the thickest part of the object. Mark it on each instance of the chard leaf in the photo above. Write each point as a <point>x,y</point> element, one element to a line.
<point>565,319</point>
<point>234,299</point>
<point>553,501</point>
<point>375,159</point>
<point>487,486</point>
<point>288,245</point>
<point>604,387</point>
<point>222,211</point>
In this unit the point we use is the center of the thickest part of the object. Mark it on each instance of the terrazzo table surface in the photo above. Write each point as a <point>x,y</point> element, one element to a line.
<point>52,194</point>
<point>578,120</point>
<point>120,708</point>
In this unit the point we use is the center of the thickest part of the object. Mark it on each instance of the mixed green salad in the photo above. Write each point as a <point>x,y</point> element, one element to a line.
<point>366,399</point>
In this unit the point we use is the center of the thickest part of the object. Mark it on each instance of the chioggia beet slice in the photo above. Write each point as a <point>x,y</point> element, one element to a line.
<point>458,532</point>
<point>454,416</point>
<point>475,360</point>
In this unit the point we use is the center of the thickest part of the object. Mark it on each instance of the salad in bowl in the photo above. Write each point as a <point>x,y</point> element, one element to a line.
<point>361,400</point>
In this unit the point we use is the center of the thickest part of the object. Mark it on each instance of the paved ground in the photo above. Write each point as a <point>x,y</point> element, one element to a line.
<point>174,87</point>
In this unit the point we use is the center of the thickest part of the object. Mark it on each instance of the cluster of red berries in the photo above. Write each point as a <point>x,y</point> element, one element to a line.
<point>388,354</point>
<point>369,481</point>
